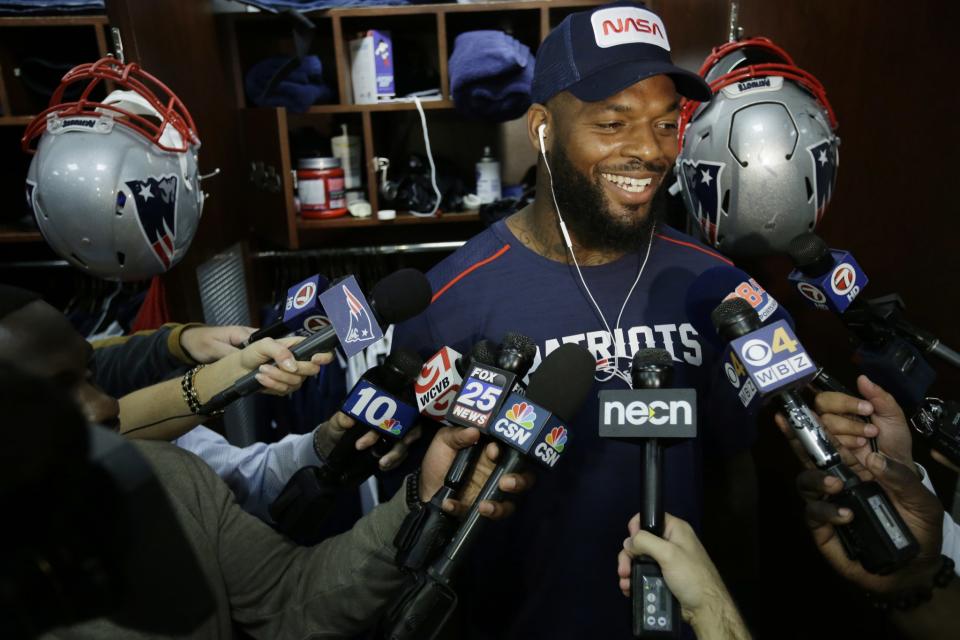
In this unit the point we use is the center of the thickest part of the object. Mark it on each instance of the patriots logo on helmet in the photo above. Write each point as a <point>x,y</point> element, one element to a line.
<point>824,155</point>
<point>360,329</point>
<point>702,181</point>
<point>156,200</point>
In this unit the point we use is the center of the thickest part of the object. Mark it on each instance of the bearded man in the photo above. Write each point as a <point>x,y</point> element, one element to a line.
<point>612,277</point>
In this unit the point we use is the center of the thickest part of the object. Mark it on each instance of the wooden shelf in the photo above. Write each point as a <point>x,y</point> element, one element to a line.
<point>10,234</point>
<point>54,21</point>
<point>402,219</point>
<point>380,106</point>
<point>15,121</point>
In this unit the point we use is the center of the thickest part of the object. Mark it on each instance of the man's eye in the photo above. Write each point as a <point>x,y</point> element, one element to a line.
<point>667,125</point>
<point>610,126</point>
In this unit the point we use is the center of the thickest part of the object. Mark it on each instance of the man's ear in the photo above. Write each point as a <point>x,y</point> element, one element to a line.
<point>538,124</point>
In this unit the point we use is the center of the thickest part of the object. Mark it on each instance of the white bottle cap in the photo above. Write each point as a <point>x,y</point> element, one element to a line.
<point>387,214</point>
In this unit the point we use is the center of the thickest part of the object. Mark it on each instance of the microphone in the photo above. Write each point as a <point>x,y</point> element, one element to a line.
<point>770,360</point>
<point>354,324</point>
<point>723,283</point>
<point>382,400</point>
<point>838,290</point>
<point>438,382</point>
<point>826,279</point>
<point>655,416</point>
<point>533,428</point>
<point>302,313</point>
<point>426,531</point>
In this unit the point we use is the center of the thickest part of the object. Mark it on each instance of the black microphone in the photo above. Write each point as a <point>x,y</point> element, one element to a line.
<point>425,532</point>
<point>773,361</point>
<point>398,297</point>
<point>832,279</point>
<point>655,416</point>
<point>531,428</point>
<point>383,401</point>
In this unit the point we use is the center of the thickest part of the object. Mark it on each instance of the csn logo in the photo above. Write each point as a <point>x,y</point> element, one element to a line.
<point>516,426</point>
<point>550,449</point>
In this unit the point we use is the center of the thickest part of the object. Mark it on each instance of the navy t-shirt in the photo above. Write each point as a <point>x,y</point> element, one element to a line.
<point>549,570</point>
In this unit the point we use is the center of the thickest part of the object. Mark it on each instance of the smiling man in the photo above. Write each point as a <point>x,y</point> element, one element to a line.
<point>590,262</point>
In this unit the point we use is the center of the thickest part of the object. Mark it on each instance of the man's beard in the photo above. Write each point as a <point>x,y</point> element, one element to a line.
<point>586,211</point>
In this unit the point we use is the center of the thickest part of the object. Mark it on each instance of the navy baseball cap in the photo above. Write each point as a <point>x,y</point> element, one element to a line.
<point>595,54</point>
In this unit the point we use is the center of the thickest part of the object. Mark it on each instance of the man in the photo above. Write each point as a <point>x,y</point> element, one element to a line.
<point>260,581</point>
<point>613,278</point>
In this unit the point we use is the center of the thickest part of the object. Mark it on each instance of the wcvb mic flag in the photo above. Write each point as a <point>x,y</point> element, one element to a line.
<point>438,383</point>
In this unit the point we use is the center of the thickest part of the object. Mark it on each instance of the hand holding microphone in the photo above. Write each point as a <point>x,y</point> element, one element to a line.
<point>773,363</point>
<point>690,575</point>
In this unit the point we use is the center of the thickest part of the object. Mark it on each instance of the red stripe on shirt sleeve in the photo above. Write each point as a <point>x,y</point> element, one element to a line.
<point>469,270</point>
<point>700,249</point>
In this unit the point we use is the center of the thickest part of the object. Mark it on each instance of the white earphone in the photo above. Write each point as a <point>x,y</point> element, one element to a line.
<point>573,255</point>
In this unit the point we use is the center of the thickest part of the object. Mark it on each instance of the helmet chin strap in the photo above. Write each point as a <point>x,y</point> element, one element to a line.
<point>566,238</point>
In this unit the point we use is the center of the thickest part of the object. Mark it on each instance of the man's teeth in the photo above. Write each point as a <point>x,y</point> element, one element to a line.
<point>632,185</point>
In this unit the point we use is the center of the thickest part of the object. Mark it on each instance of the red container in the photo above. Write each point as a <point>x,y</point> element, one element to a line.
<point>320,188</point>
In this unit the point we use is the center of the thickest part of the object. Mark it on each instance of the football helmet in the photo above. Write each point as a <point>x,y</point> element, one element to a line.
<point>758,163</point>
<point>114,184</point>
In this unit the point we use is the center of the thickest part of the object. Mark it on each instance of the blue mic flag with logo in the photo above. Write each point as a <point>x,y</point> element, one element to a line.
<point>351,317</point>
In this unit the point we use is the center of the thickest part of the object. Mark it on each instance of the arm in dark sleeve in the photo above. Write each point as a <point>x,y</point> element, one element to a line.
<point>125,364</point>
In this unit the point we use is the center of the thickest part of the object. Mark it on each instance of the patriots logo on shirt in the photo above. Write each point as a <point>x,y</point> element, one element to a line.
<point>702,179</point>
<point>825,161</point>
<point>360,329</point>
<point>156,201</point>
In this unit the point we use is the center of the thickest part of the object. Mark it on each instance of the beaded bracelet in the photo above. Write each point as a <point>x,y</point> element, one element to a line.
<point>189,391</point>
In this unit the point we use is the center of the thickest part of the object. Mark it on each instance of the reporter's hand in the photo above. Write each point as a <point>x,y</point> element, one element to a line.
<point>438,459</point>
<point>942,459</point>
<point>920,510</point>
<point>280,379</point>
<point>329,433</point>
<point>886,422</point>
<point>206,344</point>
<point>688,571</point>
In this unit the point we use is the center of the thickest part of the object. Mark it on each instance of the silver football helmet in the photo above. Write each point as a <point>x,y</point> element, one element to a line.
<point>758,163</point>
<point>114,185</point>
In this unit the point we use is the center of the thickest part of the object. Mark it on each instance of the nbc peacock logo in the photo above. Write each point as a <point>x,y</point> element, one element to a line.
<point>523,414</point>
<point>557,438</point>
<point>391,425</point>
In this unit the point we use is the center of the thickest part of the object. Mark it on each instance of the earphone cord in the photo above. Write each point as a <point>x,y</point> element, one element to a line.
<point>586,289</point>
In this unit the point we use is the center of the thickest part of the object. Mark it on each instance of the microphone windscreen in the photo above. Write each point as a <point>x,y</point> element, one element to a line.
<point>406,362</point>
<point>730,312</point>
<point>520,343</point>
<point>401,295</point>
<point>810,254</point>
<point>484,352</point>
<point>655,357</point>
<point>562,381</point>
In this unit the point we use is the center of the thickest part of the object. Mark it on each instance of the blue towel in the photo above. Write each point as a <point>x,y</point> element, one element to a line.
<point>491,75</point>
<point>49,6</point>
<point>301,88</point>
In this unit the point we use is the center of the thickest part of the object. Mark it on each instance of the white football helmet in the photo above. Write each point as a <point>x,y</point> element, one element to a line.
<point>758,163</point>
<point>114,185</point>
